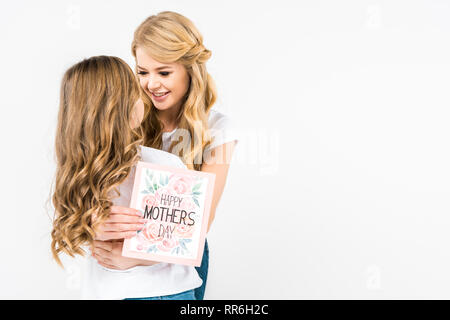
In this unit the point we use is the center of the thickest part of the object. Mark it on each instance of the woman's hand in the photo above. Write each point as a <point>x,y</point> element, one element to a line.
<point>122,223</point>
<point>109,255</point>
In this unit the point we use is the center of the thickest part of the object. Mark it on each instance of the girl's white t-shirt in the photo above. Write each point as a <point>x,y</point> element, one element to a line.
<point>162,278</point>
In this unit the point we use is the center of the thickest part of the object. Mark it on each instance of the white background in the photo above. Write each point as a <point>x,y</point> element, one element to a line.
<point>339,187</point>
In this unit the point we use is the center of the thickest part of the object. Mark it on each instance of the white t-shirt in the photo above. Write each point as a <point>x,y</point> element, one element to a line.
<point>221,128</point>
<point>162,278</point>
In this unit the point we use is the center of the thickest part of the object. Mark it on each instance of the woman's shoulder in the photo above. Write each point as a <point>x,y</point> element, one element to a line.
<point>218,120</point>
<point>221,128</point>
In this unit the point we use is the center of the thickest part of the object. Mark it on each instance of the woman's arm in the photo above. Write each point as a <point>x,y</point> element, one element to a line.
<point>218,162</point>
<point>109,255</point>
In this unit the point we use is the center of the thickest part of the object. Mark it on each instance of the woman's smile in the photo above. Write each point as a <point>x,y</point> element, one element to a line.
<point>160,96</point>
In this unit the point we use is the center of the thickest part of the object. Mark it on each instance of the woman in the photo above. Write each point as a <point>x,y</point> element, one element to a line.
<point>179,94</point>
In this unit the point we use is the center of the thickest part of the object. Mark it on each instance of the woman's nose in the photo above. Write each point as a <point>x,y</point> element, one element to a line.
<point>153,84</point>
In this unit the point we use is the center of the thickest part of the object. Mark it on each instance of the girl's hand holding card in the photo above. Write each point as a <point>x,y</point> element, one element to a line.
<point>122,223</point>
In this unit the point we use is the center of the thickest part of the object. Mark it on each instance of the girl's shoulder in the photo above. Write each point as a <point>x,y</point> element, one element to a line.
<point>161,157</point>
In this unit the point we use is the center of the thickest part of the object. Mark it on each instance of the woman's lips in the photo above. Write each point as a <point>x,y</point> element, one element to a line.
<point>161,98</point>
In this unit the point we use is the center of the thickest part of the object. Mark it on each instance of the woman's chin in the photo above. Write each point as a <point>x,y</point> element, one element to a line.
<point>161,106</point>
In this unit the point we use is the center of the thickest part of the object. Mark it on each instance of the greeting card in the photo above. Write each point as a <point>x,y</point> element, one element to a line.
<point>176,203</point>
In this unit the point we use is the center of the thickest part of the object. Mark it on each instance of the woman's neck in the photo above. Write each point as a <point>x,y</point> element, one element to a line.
<point>169,118</point>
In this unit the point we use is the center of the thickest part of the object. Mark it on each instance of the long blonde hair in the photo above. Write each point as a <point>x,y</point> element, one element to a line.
<point>95,148</point>
<point>170,37</point>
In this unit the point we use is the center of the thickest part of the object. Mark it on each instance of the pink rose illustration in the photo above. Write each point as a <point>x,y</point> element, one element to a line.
<point>149,200</point>
<point>166,191</point>
<point>187,204</point>
<point>184,231</point>
<point>151,232</point>
<point>167,245</point>
<point>181,183</point>
<point>142,242</point>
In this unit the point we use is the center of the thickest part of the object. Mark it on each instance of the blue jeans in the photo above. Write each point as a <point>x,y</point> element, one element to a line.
<point>203,273</point>
<point>186,295</point>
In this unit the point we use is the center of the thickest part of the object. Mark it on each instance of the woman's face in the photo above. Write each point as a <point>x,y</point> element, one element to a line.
<point>138,114</point>
<point>156,78</point>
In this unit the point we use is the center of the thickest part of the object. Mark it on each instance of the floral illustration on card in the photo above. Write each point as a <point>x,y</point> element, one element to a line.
<point>171,204</point>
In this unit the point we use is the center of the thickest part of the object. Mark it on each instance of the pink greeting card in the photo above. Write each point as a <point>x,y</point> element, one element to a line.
<point>176,203</point>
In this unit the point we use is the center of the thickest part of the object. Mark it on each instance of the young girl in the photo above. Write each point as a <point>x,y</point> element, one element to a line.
<point>96,146</point>
<point>97,141</point>
<point>179,94</point>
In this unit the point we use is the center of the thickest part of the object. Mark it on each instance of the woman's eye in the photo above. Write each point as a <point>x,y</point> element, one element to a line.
<point>143,73</point>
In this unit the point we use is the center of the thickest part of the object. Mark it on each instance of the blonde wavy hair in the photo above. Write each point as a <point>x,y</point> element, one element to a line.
<point>170,37</point>
<point>95,147</point>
